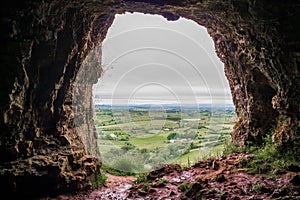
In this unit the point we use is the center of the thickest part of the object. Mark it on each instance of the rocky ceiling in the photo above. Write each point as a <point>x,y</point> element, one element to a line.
<point>44,45</point>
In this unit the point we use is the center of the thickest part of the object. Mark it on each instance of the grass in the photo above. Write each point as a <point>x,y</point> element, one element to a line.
<point>146,186</point>
<point>141,177</point>
<point>106,169</point>
<point>150,142</point>
<point>266,158</point>
<point>257,187</point>
<point>100,180</point>
<point>140,123</point>
<point>188,159</point>
<point>196,155</point>
<point>184,187</point>
<point>106,146</point>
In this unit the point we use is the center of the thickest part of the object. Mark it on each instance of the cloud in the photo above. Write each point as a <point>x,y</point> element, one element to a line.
<point>147,58</point>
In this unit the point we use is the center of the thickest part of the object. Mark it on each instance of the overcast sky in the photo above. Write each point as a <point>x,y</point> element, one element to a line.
<point>147,59</point>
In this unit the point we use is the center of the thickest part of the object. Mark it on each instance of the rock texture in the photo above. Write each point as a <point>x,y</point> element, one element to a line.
<point>223,178</point>
<point>47,147</point>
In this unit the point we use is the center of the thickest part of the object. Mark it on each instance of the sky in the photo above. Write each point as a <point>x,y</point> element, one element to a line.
<point>149,60</point>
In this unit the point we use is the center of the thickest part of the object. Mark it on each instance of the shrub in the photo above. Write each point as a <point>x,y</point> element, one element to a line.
<point>127,164</point>
<point>116,172</point>
<point>146,186</point>
<point>140,178</point>
<point>171,136</point>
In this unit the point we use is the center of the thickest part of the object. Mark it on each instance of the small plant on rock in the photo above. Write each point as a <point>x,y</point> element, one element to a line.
<point>184,187</point>
<point>141,178</point>
<point>146,186</point>
<point>100,181</point>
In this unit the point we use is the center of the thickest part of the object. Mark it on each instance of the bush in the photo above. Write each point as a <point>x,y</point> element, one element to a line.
<point>146,186</point>
<point>107,169</point>
<point>171,136</point>
<point>141,178</point>
<point>127,164</point>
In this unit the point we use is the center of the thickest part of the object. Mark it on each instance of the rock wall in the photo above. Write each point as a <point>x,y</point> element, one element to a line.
<point>48,142</point>
<point>44,45</point>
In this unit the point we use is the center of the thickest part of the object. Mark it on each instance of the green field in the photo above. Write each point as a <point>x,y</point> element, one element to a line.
<point>138,139</point>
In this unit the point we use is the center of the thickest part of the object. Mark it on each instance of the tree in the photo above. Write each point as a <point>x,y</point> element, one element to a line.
<point>171,136</point>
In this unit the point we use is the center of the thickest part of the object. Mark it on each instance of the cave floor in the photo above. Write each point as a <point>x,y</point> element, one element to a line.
<point>214,178</point>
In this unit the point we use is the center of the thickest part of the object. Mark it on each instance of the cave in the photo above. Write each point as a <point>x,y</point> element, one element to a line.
<point>45,46</point>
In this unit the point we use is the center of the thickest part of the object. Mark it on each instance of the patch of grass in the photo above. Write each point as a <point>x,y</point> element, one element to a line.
<point>140,178</point>
<point>146,186</point>
<point>184,187</point>
<point>257,187</point>
<point>188,158</point>
<point>150,142</point>
<point>116,172</point>
<point>267,158</point>
<point>232,148</point>
<point>194,156</point>
<point>100,181</point>
<point>127,164</point>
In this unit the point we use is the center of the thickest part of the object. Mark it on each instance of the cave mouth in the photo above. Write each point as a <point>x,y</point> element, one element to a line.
<point>162,96</point>
<point>47,45</point>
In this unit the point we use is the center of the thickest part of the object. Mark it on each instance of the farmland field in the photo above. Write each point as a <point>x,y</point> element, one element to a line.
<point>138,138</point>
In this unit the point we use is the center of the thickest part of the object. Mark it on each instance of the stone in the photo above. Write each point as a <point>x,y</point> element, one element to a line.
<point>163,171</point>
<point>220,178</point>
<point>295,179</point>
<point>194,190</point>
<point>64,140</point>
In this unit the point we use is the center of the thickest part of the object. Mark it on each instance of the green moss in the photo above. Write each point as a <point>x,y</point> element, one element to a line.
<point>99,181</point>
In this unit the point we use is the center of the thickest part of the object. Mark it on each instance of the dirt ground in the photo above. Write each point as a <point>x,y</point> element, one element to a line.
<point>221,178</point>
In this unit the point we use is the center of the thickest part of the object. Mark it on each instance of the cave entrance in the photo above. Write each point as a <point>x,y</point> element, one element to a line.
<point>162,97</point>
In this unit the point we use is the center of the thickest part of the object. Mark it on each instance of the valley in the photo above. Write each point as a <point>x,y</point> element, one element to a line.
<point>140,138</point>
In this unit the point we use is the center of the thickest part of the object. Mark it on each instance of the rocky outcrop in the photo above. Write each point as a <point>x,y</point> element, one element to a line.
<point>223,178</point>
<point>40,150</point>
<point>45,135</point>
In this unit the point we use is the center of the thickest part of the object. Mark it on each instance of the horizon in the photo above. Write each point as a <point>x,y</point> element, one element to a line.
<point>166,104</point>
